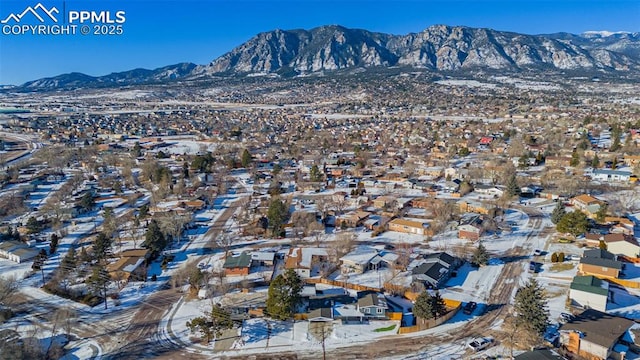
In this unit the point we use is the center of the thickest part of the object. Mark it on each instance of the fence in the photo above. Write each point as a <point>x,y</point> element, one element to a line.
<point>429,323</point>
<point>343,284</point>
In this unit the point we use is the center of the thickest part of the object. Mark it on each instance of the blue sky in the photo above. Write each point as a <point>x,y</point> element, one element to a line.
<point>158,33</point>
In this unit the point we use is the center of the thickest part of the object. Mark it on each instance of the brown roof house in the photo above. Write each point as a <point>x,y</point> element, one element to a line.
<point>587,204</point>
<point>617,243</point>
<point>410,226</point>
<point>307,262</point>
<point>130,267</point>
<point>594,335</point>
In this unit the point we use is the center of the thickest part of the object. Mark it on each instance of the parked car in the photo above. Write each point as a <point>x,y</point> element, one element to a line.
<point>537,252</point>
<point>469,307</point>
<point>480,343</point>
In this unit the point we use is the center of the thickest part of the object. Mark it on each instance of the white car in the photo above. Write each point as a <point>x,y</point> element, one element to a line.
<point>480,343</point>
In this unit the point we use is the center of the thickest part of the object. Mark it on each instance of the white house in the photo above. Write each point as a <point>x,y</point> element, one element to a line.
<point>589,292</point>
<point>360,260</point>
<point>17,252</point>
<point>607,175</point>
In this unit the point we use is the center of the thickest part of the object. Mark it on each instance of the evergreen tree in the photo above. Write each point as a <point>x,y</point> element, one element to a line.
<point>615,134</point>
<point>33,225</point>
<point>154,239</point>
<point>480,256</point>
<point>601,214</point>
<point>284,295</point>
<point>136,151</point>
<point>574,223</point>
<point>245,158</point>
<point>69,261</point>
<point>53,244</point>
<point>438,305</point>
<point>102,247</point>
<point>277,215</point>
<point>87,202</point>
<point>512,186</point>
<point>423,307</point>
<point>98,282</point>
<point>595,162</point>
<point>212,323</point>
<point>314,174</point>
<point>558,212</point>
<point>531,310</point>
<point>575,159</point>
<point>614,163</point>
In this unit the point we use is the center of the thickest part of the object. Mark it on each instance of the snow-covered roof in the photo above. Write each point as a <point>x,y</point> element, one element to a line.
<point>360,255</point>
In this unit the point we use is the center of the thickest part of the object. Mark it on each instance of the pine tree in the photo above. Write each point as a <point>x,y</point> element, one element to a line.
<point>480,256</point>
<point>595,162</point>
<point>245,158</point>
<point>601,214</point>
<point>531,308</point>
<point>423,307</point>
<point>284,295</point>
<point>98,282</point>
<point>69,261</point>
<point>574,223</point>
<point>102,246</point>
<point>277,214</point>
<point>154,239</point>
<point>53,245</point>
<point>575,159</point>
<point>558,212</point>
<point>512,186</point>
<point>314,174</point>
<point>438,305</point>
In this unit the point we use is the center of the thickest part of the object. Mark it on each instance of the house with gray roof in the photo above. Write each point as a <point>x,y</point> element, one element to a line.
<point>594,334</point>
<point>373,305</point>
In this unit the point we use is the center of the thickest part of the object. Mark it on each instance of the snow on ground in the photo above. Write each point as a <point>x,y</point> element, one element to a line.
<point>472,284</point>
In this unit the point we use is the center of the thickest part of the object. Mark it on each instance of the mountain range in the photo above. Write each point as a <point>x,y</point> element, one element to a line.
<point>439,48</point>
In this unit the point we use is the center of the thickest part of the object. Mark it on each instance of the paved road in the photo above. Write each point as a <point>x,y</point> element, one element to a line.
<point>142,340</point>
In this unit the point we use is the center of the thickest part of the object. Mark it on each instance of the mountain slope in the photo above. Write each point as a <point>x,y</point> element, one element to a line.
<point>136,76</point>
<point>438,47</point>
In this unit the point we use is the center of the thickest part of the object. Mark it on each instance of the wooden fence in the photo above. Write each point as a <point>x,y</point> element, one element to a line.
<point>343,284</point>
<point>428,324</point>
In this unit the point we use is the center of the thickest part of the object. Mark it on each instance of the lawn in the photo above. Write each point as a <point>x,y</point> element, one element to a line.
<point>383,329</point>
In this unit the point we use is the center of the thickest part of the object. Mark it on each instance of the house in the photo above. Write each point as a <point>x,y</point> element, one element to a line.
<point>599,263</point>
<point>373,305</point>
<point>17,251</point>
<point>474,207</point>
<point>557,161</point>
<point>471,228</point>
<point>361,259</point>
<point>435,269</point>
<point>382,201</point>
<point>594,334</point>
<point>262,258</point>
<point>589,292</point>
<point>493,191</point>
<point>131,266</point>
<point>237,264</point>
<point>587,204</point>
<point>307,262</point>
<point>607,175</point>
<point>320,315</point>
<point>352,219</point>
<point>410,226</point>
<point>621,244</point>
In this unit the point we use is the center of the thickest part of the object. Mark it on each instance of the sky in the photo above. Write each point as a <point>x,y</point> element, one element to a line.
<point>156,33</point>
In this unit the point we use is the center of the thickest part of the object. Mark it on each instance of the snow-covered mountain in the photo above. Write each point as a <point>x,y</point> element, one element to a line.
<point>439,48</point>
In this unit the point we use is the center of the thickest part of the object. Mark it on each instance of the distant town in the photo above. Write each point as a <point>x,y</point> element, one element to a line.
<point>398,216</point>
